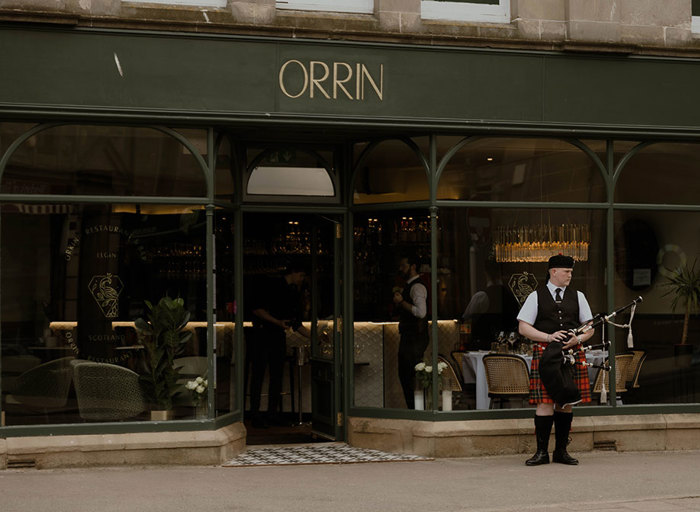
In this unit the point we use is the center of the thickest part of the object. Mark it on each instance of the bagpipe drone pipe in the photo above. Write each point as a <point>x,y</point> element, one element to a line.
<point>558,367</point>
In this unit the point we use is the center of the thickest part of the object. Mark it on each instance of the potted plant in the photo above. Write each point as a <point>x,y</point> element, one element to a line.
<point>163,338</point>
<point>684,284</point>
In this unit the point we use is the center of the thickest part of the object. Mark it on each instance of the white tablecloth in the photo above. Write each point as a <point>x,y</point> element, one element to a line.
<point>473,371</point>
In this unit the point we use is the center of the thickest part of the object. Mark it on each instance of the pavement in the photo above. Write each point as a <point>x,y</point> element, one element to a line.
<point>604,481</point>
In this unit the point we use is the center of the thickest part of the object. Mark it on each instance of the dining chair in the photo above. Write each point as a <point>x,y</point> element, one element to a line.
<point>107,392</point>
<point>465,398</point>
<point>622,364</point>
<point>507,376</point>
<point>43,388</point>
<point>635,367</point>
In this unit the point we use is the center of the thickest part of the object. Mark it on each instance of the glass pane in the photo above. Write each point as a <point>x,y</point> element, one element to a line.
<point>290,172</point>
<point>384,359</point>
<point>226,306</point>
<point>665,173</point>
<point>74,279</point>
<point>390,173</point>
<point>9,132</point>
<point>290,181</point>
<point>650,247</point>
<point>104,160</point>
<point>512,169</point>
<point>224,173</point>
<point>479,297</point>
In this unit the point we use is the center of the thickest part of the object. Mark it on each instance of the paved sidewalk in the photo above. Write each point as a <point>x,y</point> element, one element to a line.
<point>605,481</point>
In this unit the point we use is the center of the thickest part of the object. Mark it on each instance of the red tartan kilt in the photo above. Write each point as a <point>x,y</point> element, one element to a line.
<point>539,395</point>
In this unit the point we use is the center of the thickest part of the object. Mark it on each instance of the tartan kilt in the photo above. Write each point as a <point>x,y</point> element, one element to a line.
<point>539,395</point>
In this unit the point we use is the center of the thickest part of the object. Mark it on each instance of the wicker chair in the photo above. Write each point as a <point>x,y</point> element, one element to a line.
<point>107,392</point>
<point>635,367</point>
<point>622,364</point>
<point>507,376</point>
<point>43,388</point>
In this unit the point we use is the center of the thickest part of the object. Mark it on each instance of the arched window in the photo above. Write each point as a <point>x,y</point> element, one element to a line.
<point>520,169</point>
<point>291,173</point>
<point>662,173</point>
<point>105,160</point>
<point>391,171</point>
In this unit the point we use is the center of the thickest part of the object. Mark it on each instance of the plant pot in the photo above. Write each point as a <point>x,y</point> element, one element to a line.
<point>162,415</point>
<point>683,355</point>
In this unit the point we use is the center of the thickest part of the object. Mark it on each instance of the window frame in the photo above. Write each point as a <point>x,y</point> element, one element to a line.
<point>460,10</point>
<point>345,6</point>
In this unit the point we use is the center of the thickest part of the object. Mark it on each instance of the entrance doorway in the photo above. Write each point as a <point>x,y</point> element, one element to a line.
<point>292,308</point>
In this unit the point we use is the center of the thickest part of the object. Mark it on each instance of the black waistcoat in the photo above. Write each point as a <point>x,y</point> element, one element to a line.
<point>553,317</point>
<point>407,320</point>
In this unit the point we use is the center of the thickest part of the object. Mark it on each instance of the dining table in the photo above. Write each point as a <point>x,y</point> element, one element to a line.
<point>473,371</point>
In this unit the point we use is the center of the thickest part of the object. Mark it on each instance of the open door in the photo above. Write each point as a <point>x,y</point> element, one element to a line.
<point>311,378</point>
<point>326,353</point>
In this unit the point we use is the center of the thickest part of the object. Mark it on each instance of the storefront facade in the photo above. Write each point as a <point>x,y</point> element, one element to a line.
<point>154,164</point>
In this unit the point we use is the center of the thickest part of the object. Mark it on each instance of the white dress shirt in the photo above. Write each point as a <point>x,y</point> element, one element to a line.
<point>528,313</point>
<point>419,296</point>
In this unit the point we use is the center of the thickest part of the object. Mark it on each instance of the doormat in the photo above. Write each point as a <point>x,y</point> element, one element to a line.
<point>332,453</point>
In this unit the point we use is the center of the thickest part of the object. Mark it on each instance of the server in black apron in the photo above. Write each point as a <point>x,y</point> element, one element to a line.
<point>413,325</point>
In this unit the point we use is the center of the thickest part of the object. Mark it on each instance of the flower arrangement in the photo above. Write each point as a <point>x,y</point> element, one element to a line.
<point>424,373</point>
<point>199,390</point>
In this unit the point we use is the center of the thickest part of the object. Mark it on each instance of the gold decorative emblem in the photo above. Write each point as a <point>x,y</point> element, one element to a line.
<point>106,290</point>
<point>522,285</point>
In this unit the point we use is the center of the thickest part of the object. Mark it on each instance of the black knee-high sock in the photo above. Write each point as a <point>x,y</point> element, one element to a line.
<point>562,426</point>
<point>543,428</point>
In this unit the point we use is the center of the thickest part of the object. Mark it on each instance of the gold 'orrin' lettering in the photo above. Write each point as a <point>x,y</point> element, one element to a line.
<point>332,81</point>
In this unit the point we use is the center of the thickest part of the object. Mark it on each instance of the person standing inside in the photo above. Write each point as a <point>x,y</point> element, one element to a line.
<point>413,325</point>
<point>546,316</point>
<point>276,307</point>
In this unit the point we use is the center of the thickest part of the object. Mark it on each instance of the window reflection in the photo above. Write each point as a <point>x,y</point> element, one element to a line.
<point>391,172</point>
<point>510,169</point>
<point>671,371</point>
<point>74,279</point>
<point>103,160</point>
<point>660,173</point>
<point>382,242</point>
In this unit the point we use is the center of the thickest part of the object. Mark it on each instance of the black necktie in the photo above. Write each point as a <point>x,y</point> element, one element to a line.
<point>557,298</point>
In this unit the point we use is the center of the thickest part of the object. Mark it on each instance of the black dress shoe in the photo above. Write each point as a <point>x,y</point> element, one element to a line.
<point>562,457</point>
<point>539,458</point>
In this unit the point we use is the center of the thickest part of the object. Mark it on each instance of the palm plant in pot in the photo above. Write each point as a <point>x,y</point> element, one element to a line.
<point>684,285</point>
<point>163,338</point>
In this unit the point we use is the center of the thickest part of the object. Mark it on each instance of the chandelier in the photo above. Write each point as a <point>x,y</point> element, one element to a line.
<point>537,243</point>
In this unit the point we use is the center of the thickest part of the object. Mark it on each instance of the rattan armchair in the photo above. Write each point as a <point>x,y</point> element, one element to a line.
<point>43,388</point>
<point>635,367</point>
<point>107,392</point>
<point>622,364</point>
<point>507,376</point>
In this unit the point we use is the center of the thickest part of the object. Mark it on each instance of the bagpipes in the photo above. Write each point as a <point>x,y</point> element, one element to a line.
<point>557,368</point>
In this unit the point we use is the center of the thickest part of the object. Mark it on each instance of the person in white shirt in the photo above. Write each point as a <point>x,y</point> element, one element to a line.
<point>413,325</point>
<point>547,316</point>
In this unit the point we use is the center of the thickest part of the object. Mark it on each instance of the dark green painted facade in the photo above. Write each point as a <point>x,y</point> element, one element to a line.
<point>201,77</point>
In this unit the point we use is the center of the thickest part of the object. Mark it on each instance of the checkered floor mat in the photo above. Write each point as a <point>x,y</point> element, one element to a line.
<point>332,453</point>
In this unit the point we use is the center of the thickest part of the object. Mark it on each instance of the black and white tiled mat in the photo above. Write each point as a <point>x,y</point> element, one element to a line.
<point>326,453</point>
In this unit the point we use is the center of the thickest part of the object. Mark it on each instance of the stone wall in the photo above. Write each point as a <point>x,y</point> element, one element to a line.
<point>639,26</point>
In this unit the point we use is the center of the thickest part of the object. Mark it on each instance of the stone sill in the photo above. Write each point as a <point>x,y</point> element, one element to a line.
<point>195,447</point>
<point>510,436</point>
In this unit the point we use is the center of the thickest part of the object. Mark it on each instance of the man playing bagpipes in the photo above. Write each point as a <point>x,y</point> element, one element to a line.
<point>546,318</point>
